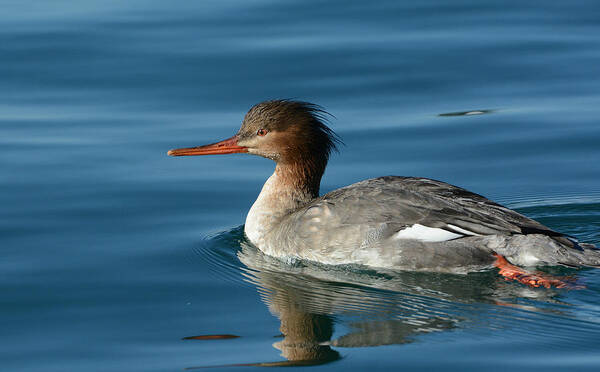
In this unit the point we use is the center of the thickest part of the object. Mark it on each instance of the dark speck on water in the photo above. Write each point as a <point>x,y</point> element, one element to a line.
<point>467,113</point>
<point>113,252</point>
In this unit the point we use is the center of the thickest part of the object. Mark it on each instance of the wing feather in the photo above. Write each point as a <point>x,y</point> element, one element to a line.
<point>389,204</point>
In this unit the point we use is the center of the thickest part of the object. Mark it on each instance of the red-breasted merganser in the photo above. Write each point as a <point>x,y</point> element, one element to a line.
<point>404,223</point>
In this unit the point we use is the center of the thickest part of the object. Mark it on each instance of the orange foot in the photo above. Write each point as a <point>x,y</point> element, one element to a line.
<point>509,271</point>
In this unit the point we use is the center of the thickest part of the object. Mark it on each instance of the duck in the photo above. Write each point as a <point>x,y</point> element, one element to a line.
<point>389,222</point>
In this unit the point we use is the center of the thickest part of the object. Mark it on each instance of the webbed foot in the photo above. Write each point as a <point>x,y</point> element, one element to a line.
<point>512,272</point>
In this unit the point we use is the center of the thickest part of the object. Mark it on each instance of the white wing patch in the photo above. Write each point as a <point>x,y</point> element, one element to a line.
<point>426,234</point>
<point>462,231</point>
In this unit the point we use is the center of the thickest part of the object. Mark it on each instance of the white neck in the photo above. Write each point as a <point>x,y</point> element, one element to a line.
<point>279,196</point>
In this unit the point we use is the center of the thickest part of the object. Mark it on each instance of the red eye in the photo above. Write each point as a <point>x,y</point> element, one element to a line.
<point>262,132</point>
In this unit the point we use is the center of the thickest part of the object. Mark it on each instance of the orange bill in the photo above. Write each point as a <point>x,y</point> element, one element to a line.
<point>228,146</point>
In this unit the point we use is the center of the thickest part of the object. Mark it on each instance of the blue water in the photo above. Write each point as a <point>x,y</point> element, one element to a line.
<point>113,252</point>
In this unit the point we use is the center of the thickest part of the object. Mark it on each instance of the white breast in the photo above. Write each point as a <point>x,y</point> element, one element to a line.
<point>260,216</point>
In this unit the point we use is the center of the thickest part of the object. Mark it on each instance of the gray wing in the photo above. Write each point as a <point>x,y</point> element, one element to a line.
<point>383,206</point>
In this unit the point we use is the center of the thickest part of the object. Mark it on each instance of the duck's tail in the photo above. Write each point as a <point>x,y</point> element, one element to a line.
<point>583,254</point>
<point>538,249</point>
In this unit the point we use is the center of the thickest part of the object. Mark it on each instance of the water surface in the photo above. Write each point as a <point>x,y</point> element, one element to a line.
<point>113,252</point>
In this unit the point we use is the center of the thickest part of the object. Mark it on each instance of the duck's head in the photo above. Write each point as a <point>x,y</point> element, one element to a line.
<point>288,132</point>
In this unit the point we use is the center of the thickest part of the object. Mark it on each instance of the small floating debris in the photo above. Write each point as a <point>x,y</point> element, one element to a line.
<point>465,113</point>
<point>210,337</point>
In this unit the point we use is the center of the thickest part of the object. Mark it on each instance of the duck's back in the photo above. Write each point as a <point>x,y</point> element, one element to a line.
<point>416,223</point>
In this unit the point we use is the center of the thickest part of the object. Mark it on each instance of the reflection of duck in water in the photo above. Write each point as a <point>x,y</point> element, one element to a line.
<point>378,308</point>
<point>308,298</point>
<point>325,309</point>
<point>390,222</point>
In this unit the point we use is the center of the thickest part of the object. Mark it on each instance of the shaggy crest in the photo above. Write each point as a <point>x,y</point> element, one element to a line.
<point>303,121</point>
